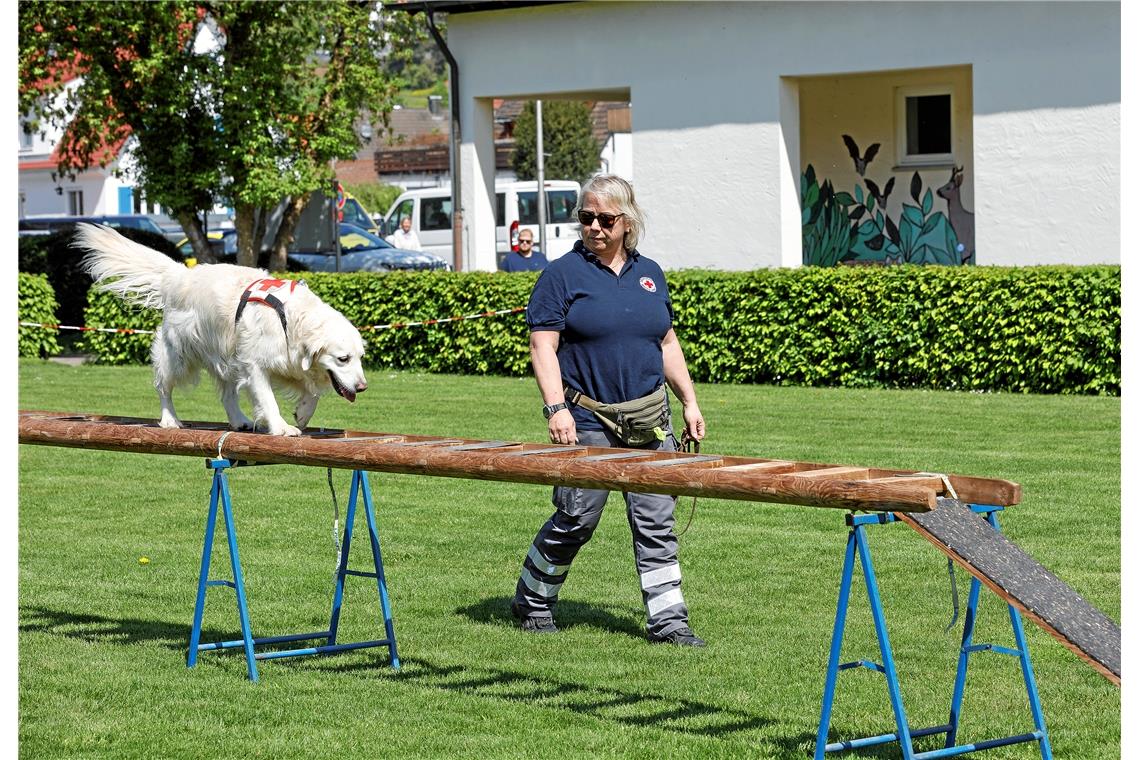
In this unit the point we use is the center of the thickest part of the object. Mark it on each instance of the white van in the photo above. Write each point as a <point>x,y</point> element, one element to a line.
<point>516,209</point>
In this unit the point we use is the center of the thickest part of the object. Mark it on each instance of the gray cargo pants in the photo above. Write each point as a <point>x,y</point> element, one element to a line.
<point>577,513</point>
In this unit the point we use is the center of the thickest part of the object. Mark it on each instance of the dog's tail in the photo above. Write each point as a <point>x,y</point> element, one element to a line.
<point>128,269</point>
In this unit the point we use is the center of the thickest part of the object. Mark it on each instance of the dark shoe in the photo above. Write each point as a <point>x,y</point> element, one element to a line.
<point>538,624</point>
<point>682,637</point>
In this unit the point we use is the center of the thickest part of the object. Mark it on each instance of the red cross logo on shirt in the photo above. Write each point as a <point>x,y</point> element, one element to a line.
<point>648,284</point>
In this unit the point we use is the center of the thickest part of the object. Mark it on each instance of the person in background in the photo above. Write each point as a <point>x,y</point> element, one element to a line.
<point>404,237</point>
<point>602,336</point>
<point>526,258</point>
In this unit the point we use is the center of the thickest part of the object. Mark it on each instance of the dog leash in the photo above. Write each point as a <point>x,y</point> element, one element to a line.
<point>336,521</point>
<point>689,446</point>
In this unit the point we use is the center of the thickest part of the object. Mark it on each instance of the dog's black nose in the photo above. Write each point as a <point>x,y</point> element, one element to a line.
<point>361,387</point>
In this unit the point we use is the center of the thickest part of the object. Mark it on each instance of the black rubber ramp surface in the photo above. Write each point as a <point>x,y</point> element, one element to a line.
<point>1015,576</point>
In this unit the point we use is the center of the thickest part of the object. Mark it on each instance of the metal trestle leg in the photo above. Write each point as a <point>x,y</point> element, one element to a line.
<point>360,490</point>
<point>904,734</point>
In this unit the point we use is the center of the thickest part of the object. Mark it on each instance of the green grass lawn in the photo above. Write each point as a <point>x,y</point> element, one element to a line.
<point>102,638</point>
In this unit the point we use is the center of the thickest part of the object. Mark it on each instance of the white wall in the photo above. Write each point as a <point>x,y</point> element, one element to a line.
<point>100,193</point>
<point>704,82</point>
<point>617,155</point>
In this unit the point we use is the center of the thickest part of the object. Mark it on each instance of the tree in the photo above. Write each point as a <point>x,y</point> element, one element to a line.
<point>567,139</point>
<point>423,67</point>
<point>255,119</point>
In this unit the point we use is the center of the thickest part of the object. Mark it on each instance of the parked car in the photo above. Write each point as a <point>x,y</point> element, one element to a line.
<point>516,209</point>
<point>355,213</point>
<point>361,251</point>
<point>55,223</point>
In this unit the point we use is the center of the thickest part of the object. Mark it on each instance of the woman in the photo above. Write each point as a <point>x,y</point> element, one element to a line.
<point>601,331</point>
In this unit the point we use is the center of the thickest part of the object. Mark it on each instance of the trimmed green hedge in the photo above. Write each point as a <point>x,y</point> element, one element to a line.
<point>1031,330</point>
<point>1027,329</point>
<point>37,304</point>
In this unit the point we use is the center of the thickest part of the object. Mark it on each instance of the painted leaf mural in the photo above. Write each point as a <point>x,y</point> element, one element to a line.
<point>855,227</point>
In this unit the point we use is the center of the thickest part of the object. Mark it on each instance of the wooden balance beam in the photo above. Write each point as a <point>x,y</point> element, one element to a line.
<point>674,473</point>
<point>919,499</point>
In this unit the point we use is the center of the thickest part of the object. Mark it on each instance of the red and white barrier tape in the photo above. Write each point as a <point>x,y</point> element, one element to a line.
<point>429,322</point>
<point>370,328</point>
<point>124,330</point>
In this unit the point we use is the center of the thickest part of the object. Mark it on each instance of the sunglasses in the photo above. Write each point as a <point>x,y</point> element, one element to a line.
<point>605,221</point>
<point>525,240</point>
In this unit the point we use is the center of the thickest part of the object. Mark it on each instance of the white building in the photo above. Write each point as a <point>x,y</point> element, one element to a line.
<point>42,190</point>
<point>111,189</point>
<point>732,102</point>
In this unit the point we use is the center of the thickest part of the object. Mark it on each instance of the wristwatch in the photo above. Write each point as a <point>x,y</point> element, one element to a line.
<point>550,410</point>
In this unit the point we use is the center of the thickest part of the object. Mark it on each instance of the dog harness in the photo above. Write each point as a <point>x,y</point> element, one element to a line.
<point>270,292</point>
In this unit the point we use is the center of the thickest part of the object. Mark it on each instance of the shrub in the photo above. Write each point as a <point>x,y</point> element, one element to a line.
<point>37,304</point>
<point>1028,330</point>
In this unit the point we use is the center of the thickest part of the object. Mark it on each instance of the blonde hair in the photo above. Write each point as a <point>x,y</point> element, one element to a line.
<point>620,192</point>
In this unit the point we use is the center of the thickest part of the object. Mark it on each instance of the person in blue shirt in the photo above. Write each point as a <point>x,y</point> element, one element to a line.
<point>527,258</point>
<point>602,326</point>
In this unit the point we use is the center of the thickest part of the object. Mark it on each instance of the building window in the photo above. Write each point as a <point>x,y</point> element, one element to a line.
<point>75,202</point>
<point>925,126</point>
<point>27,139</point>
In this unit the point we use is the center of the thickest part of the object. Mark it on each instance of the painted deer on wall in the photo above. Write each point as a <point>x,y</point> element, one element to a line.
<point>960,219</point>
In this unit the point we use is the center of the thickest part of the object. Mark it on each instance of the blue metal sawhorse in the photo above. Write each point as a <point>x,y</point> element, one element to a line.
<point>905,735</point>
<point>220,494</point>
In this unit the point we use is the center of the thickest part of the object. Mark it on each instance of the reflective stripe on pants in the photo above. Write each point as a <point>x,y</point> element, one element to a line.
<point>577,513</point>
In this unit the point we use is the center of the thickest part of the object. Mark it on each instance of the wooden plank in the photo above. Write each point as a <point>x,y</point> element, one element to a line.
<point>689,461</point>
<point>436,442</point>
<point>483,445</point>
<point>617,455</point>
<point>553,450</point>
<point>1020,580</point>
<point>771,466</point>
<point>846,473</point>
<point>934,483</point>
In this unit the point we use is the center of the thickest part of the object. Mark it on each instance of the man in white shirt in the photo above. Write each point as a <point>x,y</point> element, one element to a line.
<point>404,237</point>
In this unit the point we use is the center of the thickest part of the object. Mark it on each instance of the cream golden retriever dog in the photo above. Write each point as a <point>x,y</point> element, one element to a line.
<point>249,332</point>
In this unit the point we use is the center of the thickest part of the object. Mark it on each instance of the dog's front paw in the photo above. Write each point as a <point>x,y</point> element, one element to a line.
<point>169,421</point>
<point>243,426</point>
<point>284,430</point>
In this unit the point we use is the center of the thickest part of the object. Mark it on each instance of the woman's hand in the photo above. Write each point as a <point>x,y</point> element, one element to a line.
<point>562,428</point>
<point>694,421</point>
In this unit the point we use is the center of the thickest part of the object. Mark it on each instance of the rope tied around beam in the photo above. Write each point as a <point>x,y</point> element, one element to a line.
<point>221,441</point>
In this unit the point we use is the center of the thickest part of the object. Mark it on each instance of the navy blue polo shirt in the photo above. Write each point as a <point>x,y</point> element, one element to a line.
<point>611,325</point>
<point>516,262</point>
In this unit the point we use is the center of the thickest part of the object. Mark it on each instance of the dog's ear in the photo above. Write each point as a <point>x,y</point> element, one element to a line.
<point>308,357</point>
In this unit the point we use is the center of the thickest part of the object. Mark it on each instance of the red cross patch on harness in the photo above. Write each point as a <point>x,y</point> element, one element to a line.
<point>259,290</point>
<point>648,284</point>
<point>272,293</point>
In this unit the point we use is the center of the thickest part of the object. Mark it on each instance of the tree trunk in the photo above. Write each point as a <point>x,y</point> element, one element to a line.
<point>278,257</point>
<point>192,226</point>
<point>245,224</point>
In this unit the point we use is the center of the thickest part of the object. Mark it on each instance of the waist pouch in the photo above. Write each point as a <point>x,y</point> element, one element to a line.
<point>635,422</point>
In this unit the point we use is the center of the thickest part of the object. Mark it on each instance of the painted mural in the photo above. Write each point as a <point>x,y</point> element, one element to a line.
<point>842,227</point>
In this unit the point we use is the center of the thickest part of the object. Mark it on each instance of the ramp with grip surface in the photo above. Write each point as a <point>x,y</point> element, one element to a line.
<point>1023,582</point>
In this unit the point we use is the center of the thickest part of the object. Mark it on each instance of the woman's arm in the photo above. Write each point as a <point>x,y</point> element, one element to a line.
<point>677,376</point>
<point>544,359</point>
